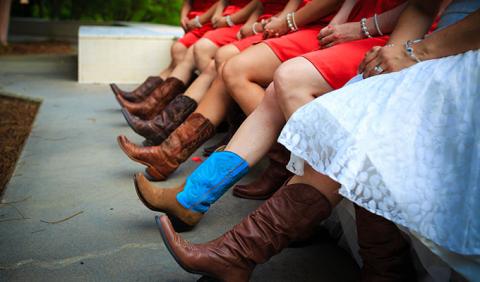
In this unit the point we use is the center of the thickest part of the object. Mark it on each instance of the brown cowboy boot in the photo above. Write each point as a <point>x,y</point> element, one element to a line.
<point>163,160</point>
<point>164,200</point>
<point>141,92</point>
<point>159,128</point>
<point>272,178</point>
<point>385,252</point>
<point>157,101</point>
<point>286,216</point>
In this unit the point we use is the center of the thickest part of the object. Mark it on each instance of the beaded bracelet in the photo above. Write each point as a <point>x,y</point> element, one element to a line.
<point>363,26</point>
<point>197,22</point>
<point>230,23</point>
<point>377,26</point>
<point>291,22</point>
<point>409,49</point>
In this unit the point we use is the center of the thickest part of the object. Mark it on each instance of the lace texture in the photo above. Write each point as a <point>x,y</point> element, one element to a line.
<point>404,145</point>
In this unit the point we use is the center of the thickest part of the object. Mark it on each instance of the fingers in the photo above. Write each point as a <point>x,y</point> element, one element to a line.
<point>328,41</point>
<point>325,31</point>
<point>369,56</point>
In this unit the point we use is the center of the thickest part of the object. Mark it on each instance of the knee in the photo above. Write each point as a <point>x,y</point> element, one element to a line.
<point>223,54</point>
<point>285,81</point>
<point>203,48</point>
<point>178,51</point>
<point>233,72</point>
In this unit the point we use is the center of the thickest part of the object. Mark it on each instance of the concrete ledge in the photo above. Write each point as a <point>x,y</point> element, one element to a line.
<point>123,54</point>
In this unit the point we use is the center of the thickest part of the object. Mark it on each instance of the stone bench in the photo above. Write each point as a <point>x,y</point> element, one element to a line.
<point>123,54</point>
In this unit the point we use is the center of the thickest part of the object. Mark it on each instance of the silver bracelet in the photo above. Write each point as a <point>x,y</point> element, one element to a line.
<point>197,22</point>
<point>230,23</point>
<point>377,26</point>
<point>409,49</point>
<point>363,26</point>
<point>254,30</point>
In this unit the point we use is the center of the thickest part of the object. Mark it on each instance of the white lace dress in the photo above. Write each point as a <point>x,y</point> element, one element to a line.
<point>404,145</point>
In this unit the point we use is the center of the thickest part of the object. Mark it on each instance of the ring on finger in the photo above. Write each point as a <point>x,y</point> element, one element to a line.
<point>378,69</point>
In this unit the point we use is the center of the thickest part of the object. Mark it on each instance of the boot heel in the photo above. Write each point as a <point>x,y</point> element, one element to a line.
<point>152,174</point>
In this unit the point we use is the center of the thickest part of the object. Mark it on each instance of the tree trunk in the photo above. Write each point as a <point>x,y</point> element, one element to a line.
<point>4,20</point>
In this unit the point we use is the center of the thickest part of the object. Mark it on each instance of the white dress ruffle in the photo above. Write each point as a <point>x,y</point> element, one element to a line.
<point>404,145</point>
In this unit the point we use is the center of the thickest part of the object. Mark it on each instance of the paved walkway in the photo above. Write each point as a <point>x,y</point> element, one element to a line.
<point>71,165</point>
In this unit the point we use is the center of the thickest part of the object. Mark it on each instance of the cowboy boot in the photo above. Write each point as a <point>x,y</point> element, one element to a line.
<point>156,101</point>
<point>141,92</point>
<point>384,251</point>
<point>234,119</point>
<point>159,128</point>
<point>286,216</point>
<point>272,178</point>
<point>164,200</point>
<point>163,160</point>
<point>202,188</point>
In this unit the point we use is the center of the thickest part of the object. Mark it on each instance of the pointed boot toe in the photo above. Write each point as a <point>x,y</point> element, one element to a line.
<point>140,126</point>
<point>115,89</point>
<point>164,200</point>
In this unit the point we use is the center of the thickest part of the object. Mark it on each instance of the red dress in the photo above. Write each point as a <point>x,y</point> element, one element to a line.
<point>226,35</point>
<point>339,63</point>
<point>300,42</point>
<point>198,8</point>
<point>270,8</point>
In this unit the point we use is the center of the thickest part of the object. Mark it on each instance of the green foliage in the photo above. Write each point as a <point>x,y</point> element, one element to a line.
<point>157,11</point>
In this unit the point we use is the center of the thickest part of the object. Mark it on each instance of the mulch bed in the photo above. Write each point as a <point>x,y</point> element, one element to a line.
<point>48,47</point>
<point>16,118</point>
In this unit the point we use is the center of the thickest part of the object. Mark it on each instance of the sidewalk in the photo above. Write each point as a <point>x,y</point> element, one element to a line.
<point>71,165</point>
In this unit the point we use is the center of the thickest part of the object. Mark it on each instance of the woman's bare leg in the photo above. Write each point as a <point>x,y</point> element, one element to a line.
<point>246,74</point>
<point>327,186</point>
<point>259,131</point>
<point>204,53</point>
<point>177,53</point>
<point>298,82</point>
<point>200,86</point>
<point>183,71</point>
<point>215,103</point>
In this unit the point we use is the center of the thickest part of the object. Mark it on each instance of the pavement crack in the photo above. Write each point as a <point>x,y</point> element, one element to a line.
<point>60,263</point>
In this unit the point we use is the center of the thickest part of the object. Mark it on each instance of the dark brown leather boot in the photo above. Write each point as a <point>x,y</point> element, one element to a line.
<point>235,118</point>
<point>164,200</point>
<point>385,252</point>
<point>272,178</point>
<point>286,216</point>
<point>159,128</point>
<point>157,101</point>
<point>162,160</point>
<point>141,92</point>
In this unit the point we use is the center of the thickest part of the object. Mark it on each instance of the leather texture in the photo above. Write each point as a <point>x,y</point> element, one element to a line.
<point>286,216</point>
<point>160,127</point>
<point>163,160</point>
<point>384,251</point>
<point>272,178</point>
<point>164,200</point>
<point>141,92</point>
<point>211,180</point>
<point>156,101</point>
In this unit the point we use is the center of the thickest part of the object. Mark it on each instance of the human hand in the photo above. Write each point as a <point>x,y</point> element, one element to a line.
<point>390,58</point>
<point>191,24</point>
<point>183,23</point>
<point>276,27</point>
<point>215,18</point>
<point>222,22</point>
<point>335,34</point>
